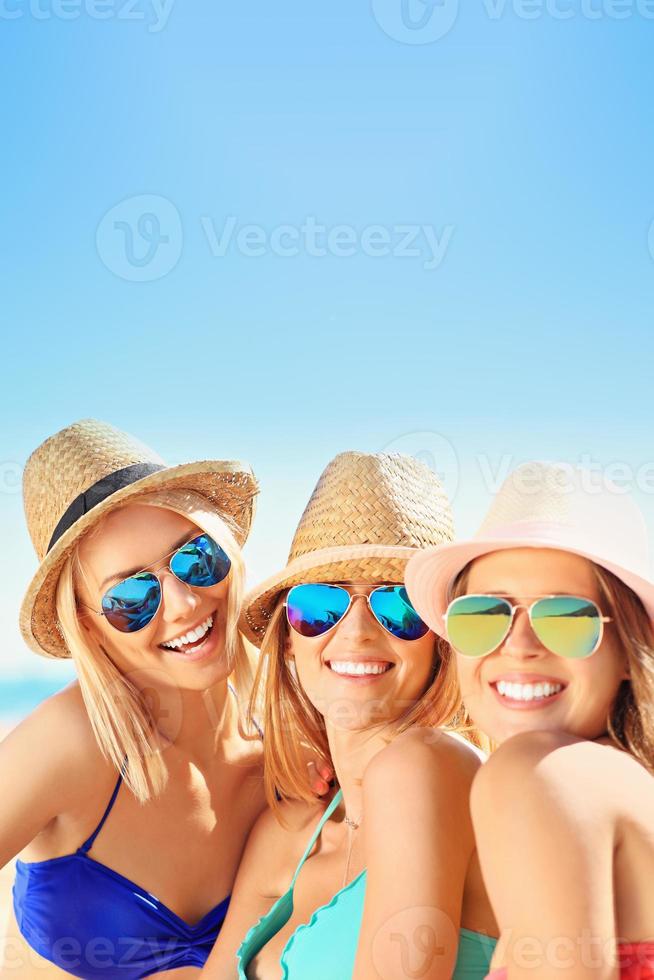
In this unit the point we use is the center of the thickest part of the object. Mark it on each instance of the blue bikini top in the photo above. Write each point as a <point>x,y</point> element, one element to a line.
<point>325,947</point>
<point>94,923</point>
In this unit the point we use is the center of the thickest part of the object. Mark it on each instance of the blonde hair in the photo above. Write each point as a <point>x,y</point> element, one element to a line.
<point>123,722</point>
<point>630,720</point>
<point>293,725</point>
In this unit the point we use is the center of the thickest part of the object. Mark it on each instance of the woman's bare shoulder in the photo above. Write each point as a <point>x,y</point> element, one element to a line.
<point>58,736</point>
<point>278,840</point>
<point>425,754</point>
<point>550,771</point>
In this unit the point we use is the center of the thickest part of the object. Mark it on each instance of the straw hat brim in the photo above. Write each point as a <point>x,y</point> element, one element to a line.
<point>228,485</point>
<point>430,574</point>
<point>342,563</point>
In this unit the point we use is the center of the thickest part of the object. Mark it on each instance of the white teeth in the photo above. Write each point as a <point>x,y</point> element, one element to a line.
<point>527,692</point>
<point>191,637</point>
<point>350,667</point>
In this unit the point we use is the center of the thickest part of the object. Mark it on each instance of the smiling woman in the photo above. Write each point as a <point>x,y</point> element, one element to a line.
<point>140,582</point>
<point>550,610</point>
<point>349,668</point>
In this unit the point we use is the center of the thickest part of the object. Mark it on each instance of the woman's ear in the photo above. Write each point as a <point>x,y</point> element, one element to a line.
<point>288,651</point>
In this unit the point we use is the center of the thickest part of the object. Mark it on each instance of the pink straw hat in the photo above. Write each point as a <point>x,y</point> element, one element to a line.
<point>543,505</point>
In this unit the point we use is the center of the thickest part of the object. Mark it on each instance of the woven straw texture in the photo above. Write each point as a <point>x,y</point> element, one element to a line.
<point>69,463</point>
<point>366,517</point>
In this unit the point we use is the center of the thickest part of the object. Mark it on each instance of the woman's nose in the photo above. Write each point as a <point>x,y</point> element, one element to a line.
<point>178,599</point>
<point>359,620</point>
<point>522,642</point>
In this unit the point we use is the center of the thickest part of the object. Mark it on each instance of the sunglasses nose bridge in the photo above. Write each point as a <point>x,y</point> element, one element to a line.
<point>521,641</point>
<point>356,622</point>
<point>177,596</point>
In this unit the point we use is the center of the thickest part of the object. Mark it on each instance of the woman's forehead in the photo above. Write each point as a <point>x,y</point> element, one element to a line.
<point>532,568</point>
<point>135,532</point>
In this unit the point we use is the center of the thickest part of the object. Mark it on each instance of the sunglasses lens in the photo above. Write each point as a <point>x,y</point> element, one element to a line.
<point>393,610</point>
<point>200,563</point>
<point>477,624</point>
<point>568,626</point>
<point>314,609</point>
<point>131,605</point>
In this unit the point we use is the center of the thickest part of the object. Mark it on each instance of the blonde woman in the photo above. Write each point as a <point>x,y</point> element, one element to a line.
<point>129,795</point>
<point>550,610</point>
<point>384,881</point>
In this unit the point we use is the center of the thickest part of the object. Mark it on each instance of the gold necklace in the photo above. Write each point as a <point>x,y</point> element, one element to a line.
<point>352,825</point>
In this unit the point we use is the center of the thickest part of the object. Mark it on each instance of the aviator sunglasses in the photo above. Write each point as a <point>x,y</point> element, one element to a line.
<point>314,609</point>
<point>567,625</point>
<point>133,603</point>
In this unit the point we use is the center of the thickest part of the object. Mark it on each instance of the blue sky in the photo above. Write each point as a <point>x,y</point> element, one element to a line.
<point>275,232</point>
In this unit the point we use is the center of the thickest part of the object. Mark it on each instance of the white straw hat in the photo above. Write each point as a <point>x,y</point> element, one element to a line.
<point>543,505</point>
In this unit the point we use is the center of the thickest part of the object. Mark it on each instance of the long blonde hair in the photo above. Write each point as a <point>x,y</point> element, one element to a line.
<point>294,727</point>
<point>123,722</point>
<point>630,720</point>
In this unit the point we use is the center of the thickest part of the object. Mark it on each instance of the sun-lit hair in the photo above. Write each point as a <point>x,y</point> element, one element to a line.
<point>295,730</point>
<point>123,721</point>
<point>630,720</point>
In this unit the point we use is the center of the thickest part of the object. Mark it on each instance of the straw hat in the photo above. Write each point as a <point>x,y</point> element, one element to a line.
<point>367,515</point>
<point>543,505</point>
<point>80,473</point>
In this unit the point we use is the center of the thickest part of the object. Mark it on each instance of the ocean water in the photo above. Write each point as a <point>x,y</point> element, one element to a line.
<point>20,695</point>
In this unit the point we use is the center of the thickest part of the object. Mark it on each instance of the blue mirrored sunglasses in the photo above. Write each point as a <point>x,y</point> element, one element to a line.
<point>133,603</point>
<point>314,609</point>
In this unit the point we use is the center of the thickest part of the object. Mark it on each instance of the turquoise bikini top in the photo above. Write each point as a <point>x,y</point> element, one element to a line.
<point>324,948</point>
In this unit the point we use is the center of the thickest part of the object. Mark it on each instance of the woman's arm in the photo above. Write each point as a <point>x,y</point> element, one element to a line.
<point>46,763</point>
<point>418,842</point>
<point>265,871</point>
<point>545,842</point>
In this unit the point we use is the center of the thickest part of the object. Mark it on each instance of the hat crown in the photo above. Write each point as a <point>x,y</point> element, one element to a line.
<point>67,464</point>
<point>382,499</point>
<point>573,506</point>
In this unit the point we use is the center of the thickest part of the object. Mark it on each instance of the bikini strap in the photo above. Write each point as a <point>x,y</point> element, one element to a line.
<point>86,846</point>
<point>256,724</point>
<point>316,834</point>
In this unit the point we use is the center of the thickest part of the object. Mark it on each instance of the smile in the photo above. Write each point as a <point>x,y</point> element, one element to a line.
<point>190,641</point>
<point>359,668</point>
<point>518,694</point>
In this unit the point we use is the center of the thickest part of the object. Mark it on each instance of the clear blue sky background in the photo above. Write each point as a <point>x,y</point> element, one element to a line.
<point>527,146</point>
